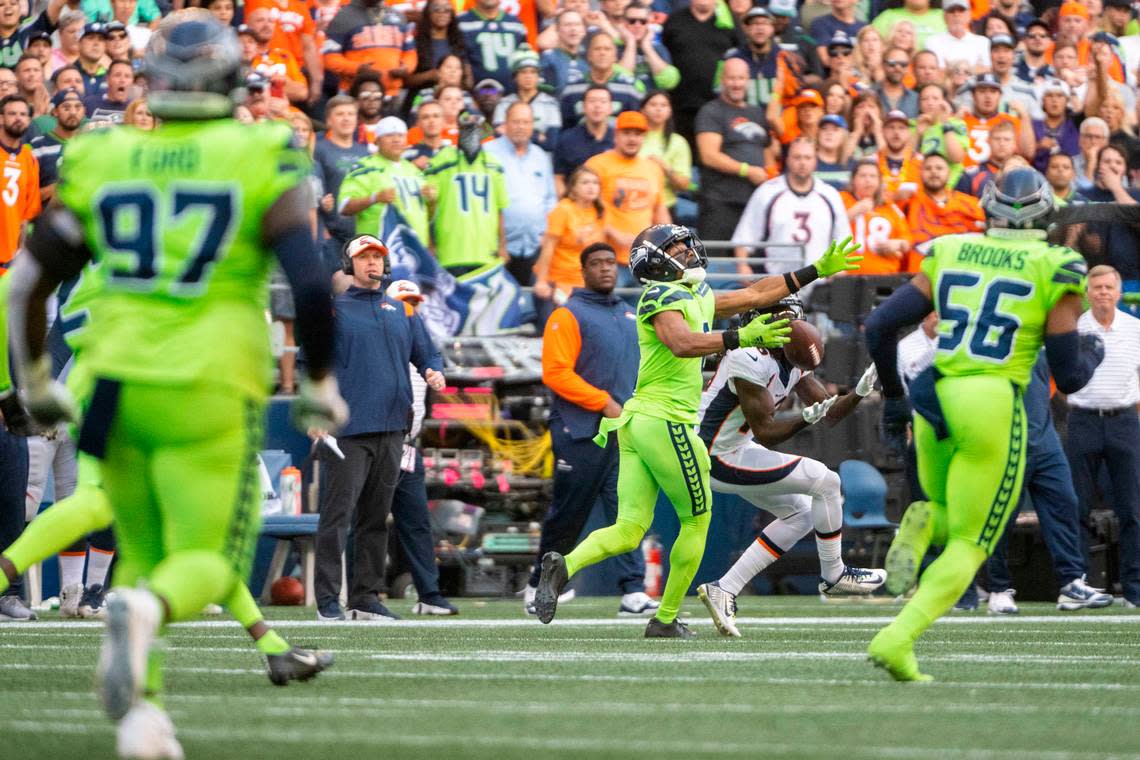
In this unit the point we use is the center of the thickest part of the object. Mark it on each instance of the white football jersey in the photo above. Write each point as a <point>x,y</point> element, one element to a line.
<point>722,424</point>
<point>808,222</point>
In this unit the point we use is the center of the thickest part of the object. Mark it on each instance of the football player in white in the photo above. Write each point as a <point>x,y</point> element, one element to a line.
<point>738,424</point>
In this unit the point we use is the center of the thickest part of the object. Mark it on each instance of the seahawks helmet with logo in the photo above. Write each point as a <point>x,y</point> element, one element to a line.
<point>193,67</point>
<point>649,260</point>
<point>1018,199</point>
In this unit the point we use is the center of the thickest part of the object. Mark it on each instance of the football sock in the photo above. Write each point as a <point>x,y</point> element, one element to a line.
<point>271,642</point>
<point>684,560</point>
<point>59,526</point>
<point>71,568</point>
<point>830,548</point>
<point>621,537</point>
<point>98,562</point>
<point>189,580</point>
<point>241,605</point>
<point>940,586</point>
<point>759,555</point>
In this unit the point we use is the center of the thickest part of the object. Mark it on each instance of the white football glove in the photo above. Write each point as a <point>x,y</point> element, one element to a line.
<point>816,412</point>
<point>319,405</point>
<point>47,400</point>
<point>867,381</point>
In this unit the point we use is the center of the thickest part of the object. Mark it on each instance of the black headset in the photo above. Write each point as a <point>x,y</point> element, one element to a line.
<point>346,261</point>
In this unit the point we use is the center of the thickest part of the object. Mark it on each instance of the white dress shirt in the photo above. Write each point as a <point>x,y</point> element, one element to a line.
<point>1116,382</point>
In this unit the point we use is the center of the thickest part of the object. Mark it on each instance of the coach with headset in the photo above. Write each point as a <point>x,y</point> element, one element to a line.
<point>377,337</point>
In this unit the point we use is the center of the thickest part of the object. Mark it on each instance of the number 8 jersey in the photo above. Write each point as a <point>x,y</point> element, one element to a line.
<point>173,219</point>
<point>993,293</point>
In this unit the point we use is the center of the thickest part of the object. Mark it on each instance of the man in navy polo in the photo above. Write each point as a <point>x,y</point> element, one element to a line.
<point>589,362</point>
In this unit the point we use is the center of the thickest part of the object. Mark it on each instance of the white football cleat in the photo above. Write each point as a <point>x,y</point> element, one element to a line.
<point>146,733</point>
<point>638,603</point>
<point>721,606</point>
<point>854,581</point>
<point>133,617</point>
<point>69,598</point>
<point>1001,603</point>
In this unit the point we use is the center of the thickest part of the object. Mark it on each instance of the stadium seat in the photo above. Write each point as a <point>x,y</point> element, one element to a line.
<point>865,503</point>
<point>287,529</point>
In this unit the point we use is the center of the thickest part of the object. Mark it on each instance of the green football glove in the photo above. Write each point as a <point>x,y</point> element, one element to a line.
<point>762,331</point>
<point>842,256</point>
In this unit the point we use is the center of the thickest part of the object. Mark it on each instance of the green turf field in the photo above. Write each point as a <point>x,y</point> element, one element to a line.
<point>494,684</point>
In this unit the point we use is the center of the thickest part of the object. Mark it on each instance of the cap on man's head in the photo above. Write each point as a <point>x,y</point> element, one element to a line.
<point>525,59</point>
<point>808,97</point>
<point>949,5</point>
<point>406,291</point>
<point>489,85</point>
<point>756,11</point>
<point>985,80</point>
<point>1002,40</point>
<point>115,26</point>
<point>63,96</point>
<point>391,125</point>
<point>896,115</point>
<point>786,8</point>
<point>1038,22</point>
<point>632,120</point>
<point>94,28</point>
<point>1073,8</point>
<point>840,40</point>
<point>37,36</point>
<point>834,120</point>
<point>364,243</point>
<point>1055,86</point>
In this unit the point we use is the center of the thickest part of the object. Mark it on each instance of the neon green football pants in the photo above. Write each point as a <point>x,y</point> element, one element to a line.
<point>656,455</point>
<point>972,480</point>
<point>179,468</point>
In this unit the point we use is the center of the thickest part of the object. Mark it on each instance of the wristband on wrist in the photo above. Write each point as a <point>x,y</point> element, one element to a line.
<point>743,170</point>
<point>731,339</point>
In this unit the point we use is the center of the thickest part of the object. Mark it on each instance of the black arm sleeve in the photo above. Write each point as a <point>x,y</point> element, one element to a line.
<point>1073,359</point>
<point>312,295</point>
<point>57,243</point>
<point>906,306</point>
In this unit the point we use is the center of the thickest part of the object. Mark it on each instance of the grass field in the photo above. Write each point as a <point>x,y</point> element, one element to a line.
<point>494,684</point>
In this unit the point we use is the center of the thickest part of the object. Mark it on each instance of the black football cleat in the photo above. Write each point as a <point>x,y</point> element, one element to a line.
<point>675,630</point>
<point>550,585</point>
<point>296,665</point>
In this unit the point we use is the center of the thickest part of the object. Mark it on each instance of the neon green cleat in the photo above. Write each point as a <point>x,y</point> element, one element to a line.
<point>896,656</point>
<point>904,558</point>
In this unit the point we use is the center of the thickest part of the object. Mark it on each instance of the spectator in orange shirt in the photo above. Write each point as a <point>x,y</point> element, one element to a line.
<point>365,35</point>
<point>877,225</point>
<point>986,112</point>
<point>898,165</point>
<point>937,210</point>
<point>576,222</point>
<point>274,63</point>
<point>295,31</point>
<point>633,188</point>
<point>801,118</point>
<point>20,194</point>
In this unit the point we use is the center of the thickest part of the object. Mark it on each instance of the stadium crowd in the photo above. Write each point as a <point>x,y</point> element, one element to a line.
<point>771,128</point>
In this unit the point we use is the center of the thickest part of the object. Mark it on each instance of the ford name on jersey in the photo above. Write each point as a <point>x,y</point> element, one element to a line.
<point>723,427</point>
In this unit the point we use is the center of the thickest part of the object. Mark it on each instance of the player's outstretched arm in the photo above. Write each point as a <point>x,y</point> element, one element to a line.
<point>811,391</point>
<point>907,306</point>
<point>1072,357</point>
<point>674,332</point>
<point>840,256</point>
<point>759,410</point>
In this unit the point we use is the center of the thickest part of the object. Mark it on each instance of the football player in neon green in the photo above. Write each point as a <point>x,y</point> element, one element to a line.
<point>183,222</point>
<point>659,449</point>
<point>999,296</point>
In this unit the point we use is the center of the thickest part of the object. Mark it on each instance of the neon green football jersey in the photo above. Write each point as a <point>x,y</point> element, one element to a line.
<point>465,226</point>
<point>669,387</point>
<point>993,293</point>
<point>372,174</point>
<point>173,218</point>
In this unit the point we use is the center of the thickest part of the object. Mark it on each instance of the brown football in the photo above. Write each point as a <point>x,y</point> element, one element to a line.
<point>806,347</point>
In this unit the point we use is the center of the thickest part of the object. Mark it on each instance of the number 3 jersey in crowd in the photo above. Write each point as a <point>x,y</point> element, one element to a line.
<point>993,293</point>
<point>808,222</point>
<point>173,219</point>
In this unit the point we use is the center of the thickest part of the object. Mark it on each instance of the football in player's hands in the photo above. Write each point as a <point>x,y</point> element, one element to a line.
<point>805,349</point>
